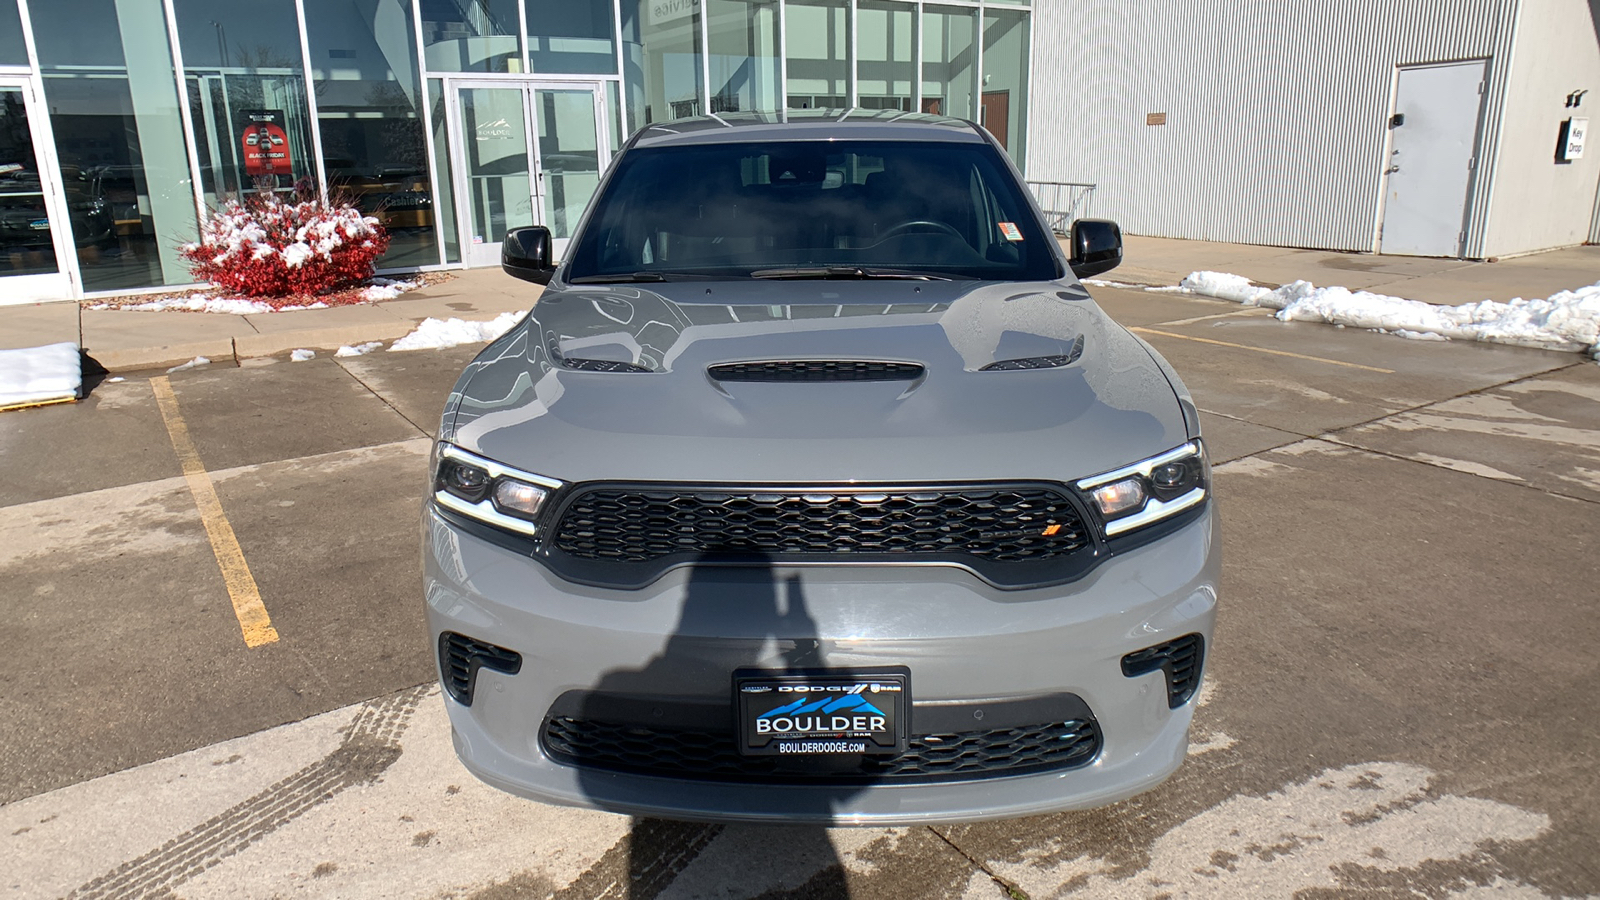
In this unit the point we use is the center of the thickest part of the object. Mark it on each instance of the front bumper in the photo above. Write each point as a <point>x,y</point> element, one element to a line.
<point>682,637</point>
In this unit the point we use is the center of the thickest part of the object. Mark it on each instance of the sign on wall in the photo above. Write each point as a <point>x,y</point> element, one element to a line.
<point>1574,133</point>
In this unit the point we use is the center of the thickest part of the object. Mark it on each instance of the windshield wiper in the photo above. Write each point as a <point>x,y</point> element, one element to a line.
<point>610,279</point>
<point>622,277</point>
<point>846,273</point>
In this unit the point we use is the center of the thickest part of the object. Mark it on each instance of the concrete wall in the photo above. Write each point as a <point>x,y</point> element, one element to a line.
<point>1275,113</point>
<point>1538,203</point>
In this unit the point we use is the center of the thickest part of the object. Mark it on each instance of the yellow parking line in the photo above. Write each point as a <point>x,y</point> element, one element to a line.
<point>1331,362</point>
<point>253,619</point>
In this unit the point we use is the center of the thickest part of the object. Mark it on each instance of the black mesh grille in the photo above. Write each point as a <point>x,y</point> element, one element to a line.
<point>1039,362</point>
<point>460,657</point>
<point>639,524</point>
<point>1181,660</point>
<point>601,365</point>
<point>712,756</point>
<point>816,370</point>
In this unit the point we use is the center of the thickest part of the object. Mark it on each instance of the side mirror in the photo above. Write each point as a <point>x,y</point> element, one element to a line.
<point>525,254</point>
<point>1096,247</point>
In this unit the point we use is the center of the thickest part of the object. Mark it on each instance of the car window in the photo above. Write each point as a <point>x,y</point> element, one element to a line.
<point>942,209</point>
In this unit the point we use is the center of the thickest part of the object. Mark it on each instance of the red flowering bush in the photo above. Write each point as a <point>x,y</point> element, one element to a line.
<point>265,247</point>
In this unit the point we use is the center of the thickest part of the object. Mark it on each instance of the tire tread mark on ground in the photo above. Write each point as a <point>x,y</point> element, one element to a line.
<point>371,745</point>
<point>641,865</point>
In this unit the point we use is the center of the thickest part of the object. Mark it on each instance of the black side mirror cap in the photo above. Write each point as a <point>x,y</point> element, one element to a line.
<point>1096,247</point>
<point>525,254</point>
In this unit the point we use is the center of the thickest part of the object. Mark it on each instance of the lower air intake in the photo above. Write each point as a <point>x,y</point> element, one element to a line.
<point>713,756</point>
<point>1181,660</point>
<point>460,657</point>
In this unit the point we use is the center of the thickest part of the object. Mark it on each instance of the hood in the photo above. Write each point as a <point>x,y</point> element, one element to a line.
<point>548,397</point>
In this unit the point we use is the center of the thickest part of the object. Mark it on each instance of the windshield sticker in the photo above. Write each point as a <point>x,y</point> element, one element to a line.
<point>1011,231</point>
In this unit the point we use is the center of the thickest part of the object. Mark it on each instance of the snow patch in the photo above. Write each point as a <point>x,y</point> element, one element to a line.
<point>39,374</point>
<point>358,350</point>
<point>195,363</point>
<point>437,334</point>
<point>1251,465</point>
<point>1567,320</point>
<point>302,355</point>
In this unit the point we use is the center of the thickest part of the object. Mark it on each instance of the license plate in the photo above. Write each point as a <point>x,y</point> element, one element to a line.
<point>822,714</point>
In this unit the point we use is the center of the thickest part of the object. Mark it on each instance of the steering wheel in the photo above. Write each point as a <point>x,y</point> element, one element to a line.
<point>920,225</point>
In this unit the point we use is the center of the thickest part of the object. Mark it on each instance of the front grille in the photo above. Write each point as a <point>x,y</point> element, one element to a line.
<point>816,370</point>
<point>460,657</point>
<point>713,756</point>
<point>1181,660</point>
<point>601,365</point>
<point>644,524</point>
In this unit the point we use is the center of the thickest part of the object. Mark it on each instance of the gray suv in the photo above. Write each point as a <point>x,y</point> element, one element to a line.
<point>817,489</point>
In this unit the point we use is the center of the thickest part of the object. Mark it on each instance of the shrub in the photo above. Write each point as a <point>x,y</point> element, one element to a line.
<point>265,247</point>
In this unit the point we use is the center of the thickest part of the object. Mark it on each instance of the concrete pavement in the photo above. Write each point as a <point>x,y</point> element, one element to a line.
<point>1397,704</point>
<point>127,340</point>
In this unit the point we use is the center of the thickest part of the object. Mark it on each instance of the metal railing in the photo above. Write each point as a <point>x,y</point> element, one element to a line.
<point>1062,202</point>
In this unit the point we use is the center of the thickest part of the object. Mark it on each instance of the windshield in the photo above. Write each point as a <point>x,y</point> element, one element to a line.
<point>813,209</point>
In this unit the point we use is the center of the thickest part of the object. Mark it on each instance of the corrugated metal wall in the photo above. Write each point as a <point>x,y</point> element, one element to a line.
<point>1276,113</point>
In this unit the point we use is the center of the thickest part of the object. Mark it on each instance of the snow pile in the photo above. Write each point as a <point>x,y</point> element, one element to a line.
<point>387,289</point>
<point>302,355</point>
<point>195,363</point>
<point>1568,320</point>
<point>39,374</point>
<point>437,334</point>
<point>359,349</point>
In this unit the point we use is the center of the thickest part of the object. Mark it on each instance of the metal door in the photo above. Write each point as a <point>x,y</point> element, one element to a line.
<point>527,153</point>
<point>1432,158</point>
<point>36,243</point>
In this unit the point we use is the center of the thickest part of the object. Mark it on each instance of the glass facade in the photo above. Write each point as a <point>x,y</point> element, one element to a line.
<point>370,113</point>
<point>449,120</point>
<point>571,37</point>
<point>949,61</point>
<point>886,64</point>
<point>13,49</point>
<point>818,54</point>
<point>471,35</point>
<point>661,60</point>
<point>106,69</point>
<point>743,55</point>
<point>247,97</point>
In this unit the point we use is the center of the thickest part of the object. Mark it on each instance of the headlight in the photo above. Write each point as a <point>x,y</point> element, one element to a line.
<point>489,492</point>
<point>1149,491</point>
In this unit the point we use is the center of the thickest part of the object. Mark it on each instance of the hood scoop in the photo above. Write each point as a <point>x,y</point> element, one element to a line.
<point>1054,361</point>
<point>816,370</point>
<point>601,365</point>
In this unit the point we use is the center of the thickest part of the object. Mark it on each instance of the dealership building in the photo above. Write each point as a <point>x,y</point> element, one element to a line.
<point>124,121</point>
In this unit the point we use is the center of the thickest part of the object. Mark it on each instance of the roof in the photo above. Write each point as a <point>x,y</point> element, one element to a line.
<point>807,124</point>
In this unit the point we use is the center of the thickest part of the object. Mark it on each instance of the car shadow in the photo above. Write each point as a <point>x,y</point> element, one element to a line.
<point>732,617</point>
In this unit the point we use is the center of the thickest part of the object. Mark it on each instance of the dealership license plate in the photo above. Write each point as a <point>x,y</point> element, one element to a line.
<point>822,714</point>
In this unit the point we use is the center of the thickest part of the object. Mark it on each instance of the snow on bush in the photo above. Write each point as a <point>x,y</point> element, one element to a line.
<point>266,247</point>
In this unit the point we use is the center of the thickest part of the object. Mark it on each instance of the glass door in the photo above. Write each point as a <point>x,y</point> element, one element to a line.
<point>495,181</point>
<point>34,240</point>
<point>529,153</point>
